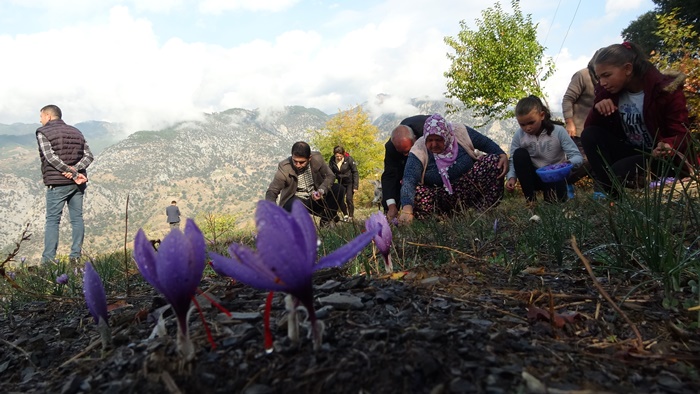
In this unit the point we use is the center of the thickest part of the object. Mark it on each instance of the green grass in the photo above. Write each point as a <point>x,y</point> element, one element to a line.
<point>652,233</point>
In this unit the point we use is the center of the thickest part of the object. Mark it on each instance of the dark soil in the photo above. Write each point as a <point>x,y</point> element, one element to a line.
<point>459,328</point>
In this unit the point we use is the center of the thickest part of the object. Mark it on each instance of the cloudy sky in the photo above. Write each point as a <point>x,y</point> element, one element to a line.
<point>147,63</point>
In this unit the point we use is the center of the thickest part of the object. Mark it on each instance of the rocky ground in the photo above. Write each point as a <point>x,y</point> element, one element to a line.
<point>459,328</point>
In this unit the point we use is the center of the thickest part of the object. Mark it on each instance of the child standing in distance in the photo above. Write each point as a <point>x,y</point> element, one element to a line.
<point>538,143</point>
<point>639,115</point>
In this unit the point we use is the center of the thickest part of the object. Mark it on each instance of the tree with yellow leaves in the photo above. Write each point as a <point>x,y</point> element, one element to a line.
<point>355,132</point>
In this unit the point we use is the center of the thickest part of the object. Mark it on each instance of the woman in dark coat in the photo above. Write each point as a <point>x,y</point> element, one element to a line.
<point>345,170</point>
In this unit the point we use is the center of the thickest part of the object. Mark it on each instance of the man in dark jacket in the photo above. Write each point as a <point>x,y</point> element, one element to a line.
<point>64,156</point>
<point>307,177</point>
<point>172,212</point>
<point>395,154</point>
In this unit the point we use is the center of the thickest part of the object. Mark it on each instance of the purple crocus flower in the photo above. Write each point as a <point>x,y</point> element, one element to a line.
<point>96,301</point>
<point>377,221</point>
<point>175,271</point>
<point>495,226</point>
<point>11,275</point>
<point>94,293</point>
<point>62,279</point>
<point>286,256</point>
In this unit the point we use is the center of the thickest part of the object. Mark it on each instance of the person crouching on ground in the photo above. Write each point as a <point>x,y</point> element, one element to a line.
<point>444,174</point>
<point>538,143</point>
<point>306,176</point>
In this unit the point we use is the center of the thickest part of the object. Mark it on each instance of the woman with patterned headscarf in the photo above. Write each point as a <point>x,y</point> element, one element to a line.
<point>444,174</point>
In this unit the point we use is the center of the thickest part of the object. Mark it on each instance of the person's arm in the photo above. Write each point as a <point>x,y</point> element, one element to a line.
<point>573,155</point>
<point>50,155</point>
<point>86,160</point>
<point>276,186</point>
<point>355,175</point>
<point>674,130</point>
<point>514,144</point>
<point>573,92</point>
<point>411,177</point>
<point>391,176</point>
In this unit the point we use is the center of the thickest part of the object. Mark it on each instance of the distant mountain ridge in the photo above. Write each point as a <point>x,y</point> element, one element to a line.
<point>220,163</point>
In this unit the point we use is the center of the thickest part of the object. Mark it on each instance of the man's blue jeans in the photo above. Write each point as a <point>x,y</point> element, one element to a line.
<point>56,198</point>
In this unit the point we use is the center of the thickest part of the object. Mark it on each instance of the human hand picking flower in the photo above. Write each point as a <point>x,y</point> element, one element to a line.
<point>406,216</point>
<point>286,257</point>
<point>663,149</point>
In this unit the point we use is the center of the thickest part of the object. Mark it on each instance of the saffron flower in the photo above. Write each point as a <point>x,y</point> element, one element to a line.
<point>175,270</point>
<point>286,257</point>
<point>96,301</point>
<point>377,221</point>
<point>62,279</point>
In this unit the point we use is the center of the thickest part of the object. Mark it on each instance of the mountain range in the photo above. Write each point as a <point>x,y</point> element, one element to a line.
<point>221,163</point>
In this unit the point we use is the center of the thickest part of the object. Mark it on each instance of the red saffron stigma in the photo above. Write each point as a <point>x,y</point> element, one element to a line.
<point>206,326</point>
<point>266,322</point>
<point>216,304</point>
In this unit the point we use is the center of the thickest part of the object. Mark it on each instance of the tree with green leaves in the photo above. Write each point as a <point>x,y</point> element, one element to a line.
<point>644,31</point>
<point>355,132</point>
<point>680,52</point>
<point>497,64</point>
<point>218,227</point>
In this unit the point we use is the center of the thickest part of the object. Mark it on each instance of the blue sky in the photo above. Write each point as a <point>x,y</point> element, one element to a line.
<point>148,63</point>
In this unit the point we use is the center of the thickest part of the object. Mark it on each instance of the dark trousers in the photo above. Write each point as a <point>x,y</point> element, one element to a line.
<point>325,208</point>
<point>609,154</point>
<point>530,182</point>
<point>347,206</point>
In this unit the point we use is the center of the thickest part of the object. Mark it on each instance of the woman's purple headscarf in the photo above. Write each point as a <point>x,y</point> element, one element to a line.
<point>437,125</point>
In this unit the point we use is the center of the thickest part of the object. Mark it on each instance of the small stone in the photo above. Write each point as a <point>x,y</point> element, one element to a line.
<point>432,281</point>
<point>246,316</point>
<point>342,301</point>
<point>329,285</point>
<point>353,283</point>
<point>323,312</point>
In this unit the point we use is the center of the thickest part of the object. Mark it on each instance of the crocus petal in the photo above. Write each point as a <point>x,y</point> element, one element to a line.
<point>346,252</point>
<point>308,234</point>
<point>246,267</point>
<point>94,293</point>
<point>283,243</point>
<point>383,238</point>
<point>145,257</point>
<point>178,270</point>
<point>198,246</point>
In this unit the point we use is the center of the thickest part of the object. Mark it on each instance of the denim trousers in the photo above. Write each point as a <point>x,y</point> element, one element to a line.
<point>56,198</point>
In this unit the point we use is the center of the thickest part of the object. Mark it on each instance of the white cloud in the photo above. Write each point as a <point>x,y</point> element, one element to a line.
<point>219,6</point>
<point>116,67</point>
